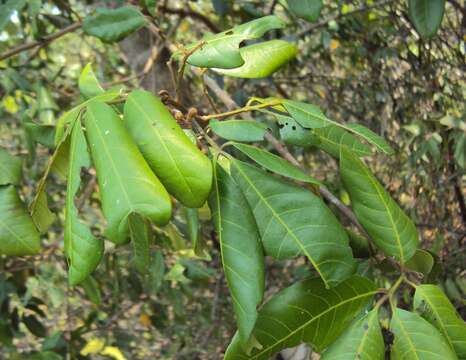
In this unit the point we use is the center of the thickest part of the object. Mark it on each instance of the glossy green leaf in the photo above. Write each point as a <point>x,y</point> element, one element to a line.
<point>306,9</point>
<point>11,168</point>
<point>239,130</point>
<point>7,9</point>
<point>292,221</point>
<point>139,233</point>
<point>262,59</point>
<point>433,305</point>
<point>275,163</point>
<point>241,250</point>
<point>306,312</point>
<point>426,16</point>
<point>332,138</point>
<point>82,249</point>
<point>18,235</point>
<point>362,341</point>
<point>126,182</point>
<point>416,339</point>
<point>422,262</point>
<point>89,86</point>
<point>111,25</point>
<point>389,227</point>
<point>371,137</point>
<point>222,50</point>
<point>183,169</point>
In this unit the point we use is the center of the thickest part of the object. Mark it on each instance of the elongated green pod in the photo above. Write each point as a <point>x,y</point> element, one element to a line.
<point>183,169</point>
<point>127,185</point>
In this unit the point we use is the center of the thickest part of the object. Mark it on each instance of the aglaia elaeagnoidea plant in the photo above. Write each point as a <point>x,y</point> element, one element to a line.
<point>147,165</point>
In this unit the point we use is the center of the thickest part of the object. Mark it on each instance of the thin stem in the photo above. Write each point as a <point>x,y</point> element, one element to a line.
<point>239,111</point>
<point>186,55</point>
<point>390,292</point>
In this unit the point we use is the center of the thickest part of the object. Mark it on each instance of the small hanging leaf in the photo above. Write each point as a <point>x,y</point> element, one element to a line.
<point>92,290</point>
<point>422,262</point>
<point>433,305</point>
<point>239,130</point>
<point>332,138</point>
<point>305,312</point>
<point>426,15</point>
<point>222,50</point>
<point>306,9</point>
<point>262,59</point>
<point>292,221</point>
<point>18,235</point>
<point>192,223</point>
<point>415,338</point>
<point>111,25</point>
<point>139,233</point>
<point>38,133</point>
<point>275,163</point>
<point>46,106</point>
<point>389,227</point>
<point>11,168</point>
<point>363,341</point>
<point>156,271</point>
<point>89,86</point>
<point>126,182</point>
<point>82,249</point>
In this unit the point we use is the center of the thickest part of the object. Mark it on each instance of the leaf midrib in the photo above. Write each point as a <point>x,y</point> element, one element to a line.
<point>405,332</point>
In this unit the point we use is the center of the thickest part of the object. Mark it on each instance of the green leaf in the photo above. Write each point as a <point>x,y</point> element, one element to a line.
<point>111,25</point>
<point>18,235</point>
<point>422,262</point>
<point>139,232</point>
<point>293,221</point>
<point>362,340</point>
<point>294,134</point>
<point>426,16</point>
<point>262,59</point>
<point>433,305</point>
<point>222,50</point>
<point>415,338</point>
<point>156,271</point>
<point>82,249</point>
<point>7,9</point>
<point>182,168</point>
<point>275,163</point>
<point>92,290</point>
<point>89,86</point>
<point>370,137</point>
<point>306,9</point>
<point>42,134</point>
<point>306,312</point>
<point>11,168</point>
<point>332,138</point>
<point>389,227</point>
<point>242,254</point>
<point>239,130</point>
<point>192,223</point>
<point>125,180</point>
<point>46,106</point>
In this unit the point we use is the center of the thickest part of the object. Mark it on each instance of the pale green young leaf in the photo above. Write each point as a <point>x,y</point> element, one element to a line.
<point>89,86</point>
<point>239,130</point>
<point>292,221</point>
<point>11,168</point>
<point>389,227</point>
<point>139,233</point>
<point>426,16</point>
<point>305,312</point>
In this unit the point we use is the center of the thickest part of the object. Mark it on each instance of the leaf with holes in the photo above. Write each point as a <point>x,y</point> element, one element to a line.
<point>294,134</point>
<point>306,9</point>
<point>222,50</point>
<point>18,235</point>
<point>362,340</point>
<point>415,338</point>
<point>82,249</point>
<point>11,168</point>
<point>242,254</point>
<point>182,168</point>
<point>433,305</point>
<point>426,15</point>
<point>239,130</point>
<point>262,59</point>
<point>292,221</point>
<point>126,181</point>
<point>389,227</point>
<point>305,312</point>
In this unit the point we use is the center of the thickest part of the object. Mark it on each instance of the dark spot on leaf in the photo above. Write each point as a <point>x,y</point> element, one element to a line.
<point>242,44</point>
<point>286,124</point>
<point>293,127</point>
<point>230,32</point>
<point>281,126</point>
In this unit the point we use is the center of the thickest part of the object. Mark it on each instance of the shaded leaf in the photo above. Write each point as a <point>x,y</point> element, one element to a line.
<point>426,15</point>
<point>294,134</point>
<point>125,180</point>
<point>42,134</point>
<point>433,305</point>
<point>262,59</point>
<point>139,232</point>
<point>275,163</point>
<point>11,168</point>
<point>242,254</point>
<point>156,271</point>
<point>111,25</point>
<point>422,262</point>
<point>332,138</point>
<point>7,9</point>
<point>371,137</point>
<point>362,340</point>
<point>239,130</point>
<point>18,235</point>
<point>306,9</point>
<point>34,326</point>
<point>82,249</point>
<point>389,227</point>
<point>89,86</point>
<point>182,168</point>
<point>292,221</point>
<point>415,338</point>
<point>92,290</point>
<point>306,312</point>
<point>222,50</point>
<point>46,106</point>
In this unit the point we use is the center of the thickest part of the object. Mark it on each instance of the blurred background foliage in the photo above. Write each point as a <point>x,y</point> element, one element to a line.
<point>361,61</point>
